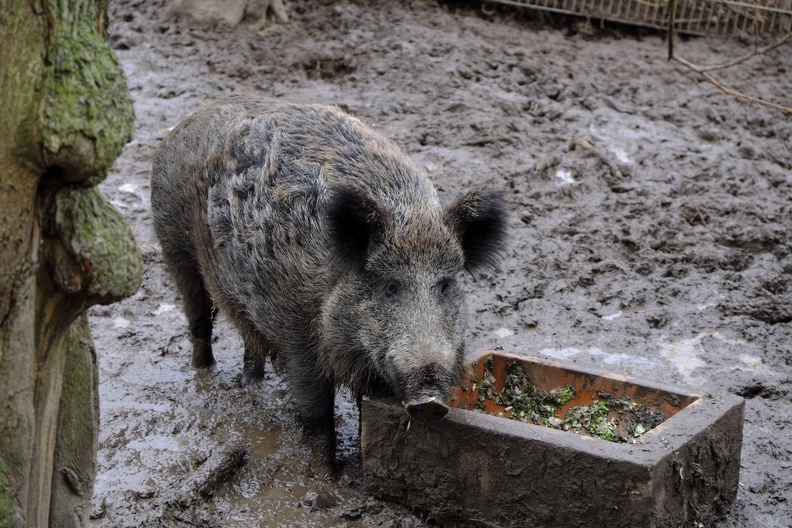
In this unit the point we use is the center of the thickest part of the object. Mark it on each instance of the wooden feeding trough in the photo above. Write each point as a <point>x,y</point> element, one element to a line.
<point>504,457</point>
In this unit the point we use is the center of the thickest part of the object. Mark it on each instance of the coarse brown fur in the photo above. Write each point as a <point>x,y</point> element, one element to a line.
<point>325,245</point>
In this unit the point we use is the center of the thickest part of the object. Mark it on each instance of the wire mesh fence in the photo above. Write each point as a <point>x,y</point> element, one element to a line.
<point>696,17</point>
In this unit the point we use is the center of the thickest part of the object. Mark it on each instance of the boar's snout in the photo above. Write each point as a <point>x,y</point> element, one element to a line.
<point>427,410</point>
<point>427,391</point>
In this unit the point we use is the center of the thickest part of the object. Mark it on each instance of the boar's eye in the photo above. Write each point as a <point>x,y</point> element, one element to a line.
<point>442,287</point>
<point>392,289</point>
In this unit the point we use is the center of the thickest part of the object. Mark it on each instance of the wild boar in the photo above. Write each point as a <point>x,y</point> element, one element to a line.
<point>326,247</point>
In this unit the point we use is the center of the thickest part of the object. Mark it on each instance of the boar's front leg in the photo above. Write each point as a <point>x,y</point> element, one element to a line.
<point>313,395</point>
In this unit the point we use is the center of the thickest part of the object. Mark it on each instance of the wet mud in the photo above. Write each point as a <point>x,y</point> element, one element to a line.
<point>651,236</point>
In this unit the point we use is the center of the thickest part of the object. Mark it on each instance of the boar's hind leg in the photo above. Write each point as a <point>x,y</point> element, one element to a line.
<point>257,349</point>
<point>198,308</point>
<point>200,312</point>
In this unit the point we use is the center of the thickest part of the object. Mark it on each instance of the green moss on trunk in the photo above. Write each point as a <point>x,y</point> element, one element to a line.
<point>87,114</point>
<point>78,424</point>
<point>66,115</point>
<point>7,496</point>
<point>99,240</point>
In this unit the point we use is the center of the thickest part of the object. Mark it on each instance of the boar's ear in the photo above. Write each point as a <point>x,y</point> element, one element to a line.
<point>354,221</point>
<point>479,220</point>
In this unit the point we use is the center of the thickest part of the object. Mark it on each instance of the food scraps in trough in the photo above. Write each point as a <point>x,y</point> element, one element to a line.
<point>618,419</point>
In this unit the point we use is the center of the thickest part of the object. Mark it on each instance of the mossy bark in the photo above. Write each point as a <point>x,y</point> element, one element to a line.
<point>66,114</point>
<point>77,431</point>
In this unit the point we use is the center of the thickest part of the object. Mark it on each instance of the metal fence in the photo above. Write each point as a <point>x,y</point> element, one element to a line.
<point>696,17</point>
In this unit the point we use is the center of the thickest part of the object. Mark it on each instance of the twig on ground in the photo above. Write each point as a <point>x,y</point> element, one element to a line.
<point>218,468</point>
<point>704,70</point>
<point>740,60</point>
<point>725,89</point>
<point>671,22</point>
<point>478,142</point>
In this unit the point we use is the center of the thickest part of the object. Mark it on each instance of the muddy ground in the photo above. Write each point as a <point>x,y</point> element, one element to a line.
<point>651,236</point>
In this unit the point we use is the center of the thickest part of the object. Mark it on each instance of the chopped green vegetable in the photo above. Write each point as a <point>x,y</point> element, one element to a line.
<point>522,401</point>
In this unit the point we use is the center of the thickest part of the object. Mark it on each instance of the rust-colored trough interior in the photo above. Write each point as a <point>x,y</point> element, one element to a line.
<point>474,465</point>
<point>588,387</point>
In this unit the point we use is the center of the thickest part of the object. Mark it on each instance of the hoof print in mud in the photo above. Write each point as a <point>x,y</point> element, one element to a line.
<point>533,443</point>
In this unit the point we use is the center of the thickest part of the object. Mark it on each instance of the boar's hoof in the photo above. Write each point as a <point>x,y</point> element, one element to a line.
<point>202,356</point>
<point>427,410</point>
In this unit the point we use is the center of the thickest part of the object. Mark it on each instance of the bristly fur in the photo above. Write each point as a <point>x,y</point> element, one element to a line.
<point>480,220</point>
<point>354,222</point>
<point>325,246</point>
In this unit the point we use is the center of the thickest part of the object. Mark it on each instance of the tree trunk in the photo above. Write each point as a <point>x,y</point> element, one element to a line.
<point>65,114</point>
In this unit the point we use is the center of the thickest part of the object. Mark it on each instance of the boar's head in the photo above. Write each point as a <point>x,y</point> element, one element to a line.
<point>394,318</point>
